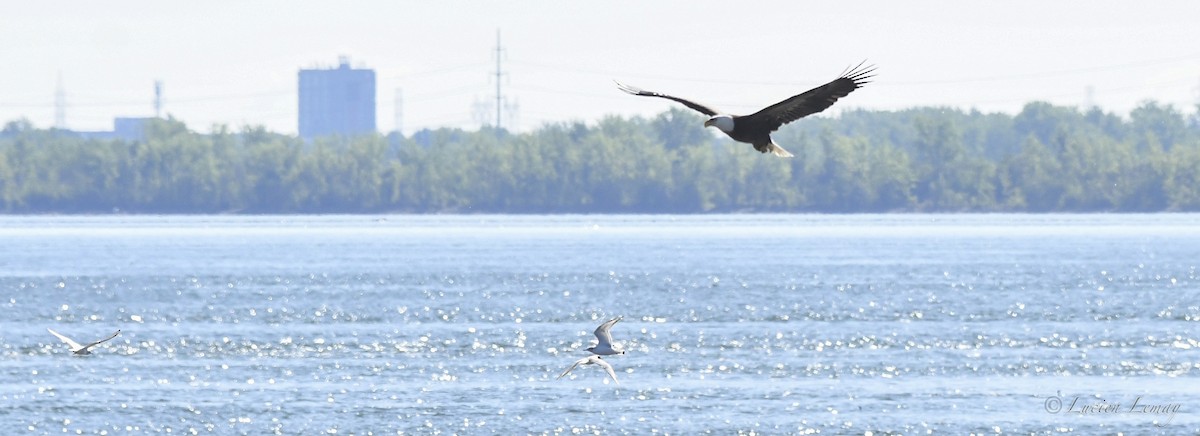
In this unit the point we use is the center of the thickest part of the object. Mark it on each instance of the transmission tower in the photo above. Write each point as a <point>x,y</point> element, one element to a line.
<point>399,102</point>
<point>158,101</point>
<point>1196,90</point>
<point>60,104</point>
<point>479,111</point>
<point>499,74</point>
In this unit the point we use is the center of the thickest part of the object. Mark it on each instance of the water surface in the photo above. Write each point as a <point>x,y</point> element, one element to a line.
<point>734,324</point>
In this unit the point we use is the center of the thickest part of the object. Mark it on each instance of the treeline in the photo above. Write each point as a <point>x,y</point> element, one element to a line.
<point>1044,159</point>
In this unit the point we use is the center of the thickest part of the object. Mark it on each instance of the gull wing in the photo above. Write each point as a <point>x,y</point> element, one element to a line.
<point>93,344</point>
<point>604,332</point>
<point>70,342</point>
<point>644,93</point>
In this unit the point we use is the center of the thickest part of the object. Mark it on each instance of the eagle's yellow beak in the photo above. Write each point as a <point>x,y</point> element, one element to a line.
<point>708,122</point>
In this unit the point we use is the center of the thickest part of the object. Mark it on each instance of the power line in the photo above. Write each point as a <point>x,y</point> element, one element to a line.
<point>461,90</point>
<point>185,100</point>
<point>613,73</point>
<point>1052,73</point>
<point>1019,76</point>
<point>436,71</point>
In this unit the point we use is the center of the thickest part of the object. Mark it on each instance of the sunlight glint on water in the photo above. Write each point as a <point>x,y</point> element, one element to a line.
<point>733,323</point>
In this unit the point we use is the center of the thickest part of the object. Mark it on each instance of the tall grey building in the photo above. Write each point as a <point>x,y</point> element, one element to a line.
<point>337,101</point>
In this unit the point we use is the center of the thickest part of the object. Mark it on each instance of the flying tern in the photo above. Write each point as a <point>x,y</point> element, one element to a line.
<point>604,341</point>
<point>82,350</point>
<point>592,360</point>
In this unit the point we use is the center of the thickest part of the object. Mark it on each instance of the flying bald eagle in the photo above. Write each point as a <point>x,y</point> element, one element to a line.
<point>756,128</point>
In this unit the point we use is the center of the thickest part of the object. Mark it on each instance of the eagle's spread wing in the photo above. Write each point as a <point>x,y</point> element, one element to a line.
<point>695,106</point>
<point>810,102</point>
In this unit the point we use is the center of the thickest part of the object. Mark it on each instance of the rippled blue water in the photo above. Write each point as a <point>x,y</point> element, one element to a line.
<point>734,324</point>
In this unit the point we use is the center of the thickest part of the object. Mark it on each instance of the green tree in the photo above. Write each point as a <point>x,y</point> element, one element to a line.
<point>1046,158</point>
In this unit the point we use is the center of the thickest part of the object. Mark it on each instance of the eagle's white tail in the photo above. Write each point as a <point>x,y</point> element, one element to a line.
<point>777,150</point>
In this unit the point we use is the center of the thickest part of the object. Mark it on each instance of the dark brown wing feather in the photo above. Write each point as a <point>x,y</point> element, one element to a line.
<point>810,102</point>
<point>696,106</point>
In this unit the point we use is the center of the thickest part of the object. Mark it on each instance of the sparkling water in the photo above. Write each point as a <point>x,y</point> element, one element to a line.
<point>770,324</point>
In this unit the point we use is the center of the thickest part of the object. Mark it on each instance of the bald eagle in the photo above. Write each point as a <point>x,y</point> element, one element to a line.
<point>756,128</point>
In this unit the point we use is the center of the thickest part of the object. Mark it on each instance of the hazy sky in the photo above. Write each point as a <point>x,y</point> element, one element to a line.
<point>235,62</point>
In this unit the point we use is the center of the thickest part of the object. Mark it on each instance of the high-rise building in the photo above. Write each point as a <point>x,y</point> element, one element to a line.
<point>337,101</point>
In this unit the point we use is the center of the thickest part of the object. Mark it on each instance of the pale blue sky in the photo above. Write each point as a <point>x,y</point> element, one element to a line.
<point>235,62</point>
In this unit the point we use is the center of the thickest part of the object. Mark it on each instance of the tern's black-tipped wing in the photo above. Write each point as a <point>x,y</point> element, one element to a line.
<point>93,344</point>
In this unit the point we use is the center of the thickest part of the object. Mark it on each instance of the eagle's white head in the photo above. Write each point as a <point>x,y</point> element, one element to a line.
<point>723,122</point>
